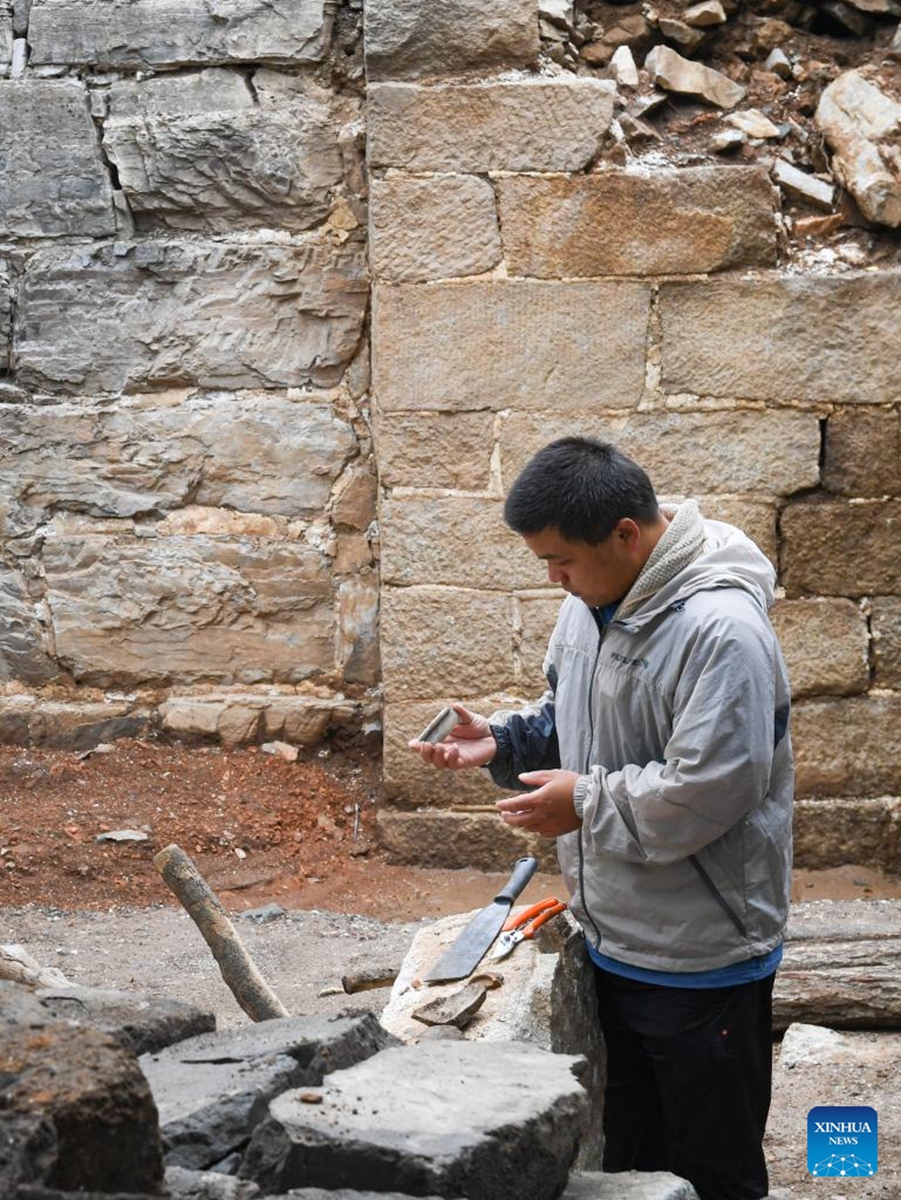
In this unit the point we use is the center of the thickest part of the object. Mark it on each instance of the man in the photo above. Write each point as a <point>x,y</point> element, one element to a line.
<point>659,758</point>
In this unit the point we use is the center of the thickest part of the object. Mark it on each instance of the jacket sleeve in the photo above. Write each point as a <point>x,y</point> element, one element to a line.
<point>526,740</point>
<point>717,760</point>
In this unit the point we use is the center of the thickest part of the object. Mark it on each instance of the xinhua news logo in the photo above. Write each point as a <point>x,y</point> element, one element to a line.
<point>842,1141</point>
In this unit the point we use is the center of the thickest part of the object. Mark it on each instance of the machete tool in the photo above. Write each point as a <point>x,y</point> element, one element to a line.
<point>465,952</point>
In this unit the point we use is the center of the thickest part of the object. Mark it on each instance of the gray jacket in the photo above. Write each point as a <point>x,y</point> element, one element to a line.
<point>675,716</point>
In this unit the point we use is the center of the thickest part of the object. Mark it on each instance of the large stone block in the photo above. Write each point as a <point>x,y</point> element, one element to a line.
<point>841,549</point>
<point>256,452</point>
<point>432,228</point>
<point>455,540</point>
<point>408,39</point>
<point>132,34</point>
<point>24,657</point>
<point>461,841</point>
<point>54,182</point>
<point>536,616</point>
<point>703,219</point>
<point>537,124</point>
<point>187,609</point>
<point>772,452</point>
<point>787,337</point>
<point>529,344</point>
<point>201,156</point>
<point>827,833</point>
<point>826,646</point>
<point>886,626</point>
<point>435,450</point>
<point>848,747</point>
<point>133,316</point>
<point>78,725</point>
<point>863,452</point>
<point>445,641</point>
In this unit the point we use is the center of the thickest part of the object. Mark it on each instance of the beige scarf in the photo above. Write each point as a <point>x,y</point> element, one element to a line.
<point>681,544</point>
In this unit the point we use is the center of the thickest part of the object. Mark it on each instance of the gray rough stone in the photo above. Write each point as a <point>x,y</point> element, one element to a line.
<point>409,39</point>
<point>79,725</point>
<point>183,1184</point>
<point>89,1127</point>
<point>886,626</point>
<point>841,549</point>
<point>704,219</point>
<point>628,1185</point>
<point>863,452</point>
<point>54,182</point>
<point>432,228</point>
<point>849,747</point>
<point>127,317</point>
<point>215,89</point>
<point>859,117</point>
<point>453,450</point>
<point>253,453</point>
<point>213,1089</point>
<point>826,646</point>
<point>838,338</point>
<point>221,168</point>
<point>6,33</point>
<point>454,1118</point>
<point>524,125</point>
<point>187,609</point>
<point>5,315</point>
<point>142,1024</point>
<point>24,655</point>
<point>530,344</point>
<point>149,33</point>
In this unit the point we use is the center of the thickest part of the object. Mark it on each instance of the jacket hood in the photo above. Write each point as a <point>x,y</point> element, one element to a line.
<point>696,555</point>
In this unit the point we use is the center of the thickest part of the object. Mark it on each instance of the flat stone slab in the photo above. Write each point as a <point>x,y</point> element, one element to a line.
<point>213,1089</point>
<point>143,1024</point>
<point>628,1185</point>
<point>500,1120</point>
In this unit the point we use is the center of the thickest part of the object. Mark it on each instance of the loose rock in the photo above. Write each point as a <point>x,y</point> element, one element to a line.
<point>681,75</point>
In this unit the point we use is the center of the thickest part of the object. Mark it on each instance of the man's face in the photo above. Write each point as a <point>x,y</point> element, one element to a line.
<point>598,575</point>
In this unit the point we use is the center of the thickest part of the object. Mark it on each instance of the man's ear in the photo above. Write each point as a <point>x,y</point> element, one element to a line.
<point>627,531</point>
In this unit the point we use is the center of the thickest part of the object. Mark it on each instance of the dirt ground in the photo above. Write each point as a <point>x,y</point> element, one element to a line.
<point>301,835</point>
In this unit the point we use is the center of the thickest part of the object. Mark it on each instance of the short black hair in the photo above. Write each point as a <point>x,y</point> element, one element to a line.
<point>581,487</point>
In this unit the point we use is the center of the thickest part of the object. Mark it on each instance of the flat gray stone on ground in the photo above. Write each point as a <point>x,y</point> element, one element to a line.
<point>500,1120</point>
<point>128,317</point>
<point>157,33</point>
<point>184,1184</point>
<point>54,181</point>
<point>627,1185</point>
<point>212,1090</point>
<point>408,38</point>
<point>143,1024</point>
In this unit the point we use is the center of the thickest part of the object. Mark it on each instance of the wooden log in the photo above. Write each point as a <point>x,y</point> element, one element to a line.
<point>842,966</point>
<point>205,909</point>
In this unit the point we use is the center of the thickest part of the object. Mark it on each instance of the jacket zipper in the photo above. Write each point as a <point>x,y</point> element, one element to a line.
<point>601,633</point>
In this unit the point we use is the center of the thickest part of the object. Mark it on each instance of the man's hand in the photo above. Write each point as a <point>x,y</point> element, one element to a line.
<point>548,811</point>
<point>469,744</point>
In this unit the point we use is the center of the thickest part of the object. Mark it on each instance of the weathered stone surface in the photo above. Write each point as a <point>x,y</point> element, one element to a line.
<point>826,646</point>
<point>500,1119</point>
<point>841,549</point>
<point>201,156</point>
<point>78,725</point>
<point>547,998</point>
<point>535,617</point>
<point>5,316</point>
<point>432,228</point>
<point>837,337</point>
<point>817,1046</point>
<point>863,452</point>
<point>358,649</point>
<point>187,609</point>
<point>150,33</point>
<point>455,540</point>
<point>6,34</point>
<point>53,182</point>
<point>453,450</point>
<point>704,219</point>
<point>182,1184</point>
<point>886,626</point>
<point>91,1126</point>
<point>142,1024</point>
<point>461,841</point>
<point>212,1090</point>
<point>627,1185</point>
<point>677,74</point>
<point>860,118</point>
<point>255,453</point>
<point>236,718</point>
<point>830,831</point>
<point>531,344</point>
<point>848,747</point>
<point>801,185</point>
<point>127,317</point>
<point>527,125</point>
<point>773,452</point>
<point>23,654</point>
<point>417,625</point>
<point>407,39</point>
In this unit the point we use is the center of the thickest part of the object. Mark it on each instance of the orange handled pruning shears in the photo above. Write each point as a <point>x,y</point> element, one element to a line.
<point>524,924</point>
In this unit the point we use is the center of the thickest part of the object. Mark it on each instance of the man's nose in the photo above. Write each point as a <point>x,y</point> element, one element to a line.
<point>555,575</point>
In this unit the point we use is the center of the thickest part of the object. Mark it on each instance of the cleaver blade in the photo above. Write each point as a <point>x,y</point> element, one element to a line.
<point>464,954</point>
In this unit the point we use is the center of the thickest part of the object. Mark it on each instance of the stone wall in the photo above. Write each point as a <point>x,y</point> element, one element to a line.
<point>187,486</point>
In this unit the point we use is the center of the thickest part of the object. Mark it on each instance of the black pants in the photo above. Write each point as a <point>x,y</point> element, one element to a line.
<point>689,1073</point>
